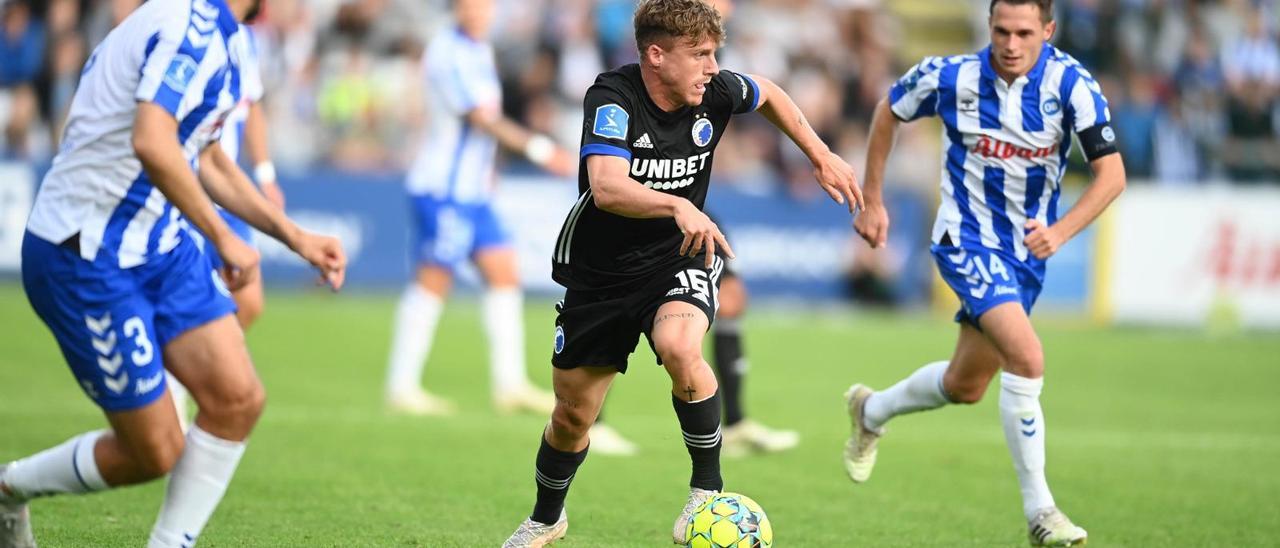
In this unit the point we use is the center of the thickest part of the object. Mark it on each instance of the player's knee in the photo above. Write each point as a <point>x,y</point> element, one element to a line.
<point>967,394</point>
<point>680,353</point>
<point>157,454</point>
<point>964,391</point>
<point>240,405</point>
<point>570,422</point>
<point>1027,363</point>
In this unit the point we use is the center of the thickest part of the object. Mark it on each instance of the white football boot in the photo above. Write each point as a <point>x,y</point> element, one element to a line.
<point>607,441</point>
<point>419,402</point>
<point>1051,527</point>
<point>532,534</point>
<point>696,498</point>
<point>748,436</point>
<point>860,450</point>
<point>526,398</point>
<point>15,522</point>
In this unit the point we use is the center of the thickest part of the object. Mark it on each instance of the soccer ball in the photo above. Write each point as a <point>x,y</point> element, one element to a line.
<point>729,520</point>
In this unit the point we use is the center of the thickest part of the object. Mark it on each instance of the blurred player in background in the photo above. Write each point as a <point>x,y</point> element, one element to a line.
<point>742,436</point>
<point>1008,115</point>
<point>247,126</point>
<point>636,253</point>
<point>127,294</point>
<point>451,189</point>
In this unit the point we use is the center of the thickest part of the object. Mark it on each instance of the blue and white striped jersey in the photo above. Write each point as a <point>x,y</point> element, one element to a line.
<point>180,54</point>
<point>456,161</point>
<point>1005,146</point>
<point>250,92</point>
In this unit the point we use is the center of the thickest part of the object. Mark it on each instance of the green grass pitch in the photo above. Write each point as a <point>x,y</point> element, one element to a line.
<point>1154,437</point>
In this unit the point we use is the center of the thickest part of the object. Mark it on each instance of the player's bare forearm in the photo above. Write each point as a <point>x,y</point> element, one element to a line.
<point>613,190</point>
<point>1108,182</point>
<point>231,188</point>
<point>539,149</point>
<point>832,173</point>
<point>510,135</point>
<point>156,145</point>
<point>884,128</point>
<point>255,136</point>
<point>777,107</point>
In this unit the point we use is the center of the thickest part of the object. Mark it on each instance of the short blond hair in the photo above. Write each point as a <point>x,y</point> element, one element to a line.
<point>661,21</point>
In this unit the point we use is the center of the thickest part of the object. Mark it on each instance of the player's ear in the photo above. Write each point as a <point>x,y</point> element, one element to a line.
<point>653,53</point>
<point>1049,29</point>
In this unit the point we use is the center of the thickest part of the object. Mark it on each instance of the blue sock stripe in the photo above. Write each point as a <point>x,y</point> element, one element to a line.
<point>75,464</point>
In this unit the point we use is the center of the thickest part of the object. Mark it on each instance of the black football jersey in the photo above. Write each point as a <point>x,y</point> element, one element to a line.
<point>668,152</point>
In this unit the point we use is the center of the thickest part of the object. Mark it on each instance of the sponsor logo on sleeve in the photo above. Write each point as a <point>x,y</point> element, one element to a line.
<point>180,73</point>
<point>611,122</point>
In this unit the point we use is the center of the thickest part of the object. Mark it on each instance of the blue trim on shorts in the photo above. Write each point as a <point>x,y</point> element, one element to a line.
<point>983,278</point>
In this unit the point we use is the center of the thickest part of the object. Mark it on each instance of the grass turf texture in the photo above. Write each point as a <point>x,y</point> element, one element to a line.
<point>1155,438</point>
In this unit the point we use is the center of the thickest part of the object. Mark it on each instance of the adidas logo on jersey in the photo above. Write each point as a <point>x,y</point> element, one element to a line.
<point>643,142</point>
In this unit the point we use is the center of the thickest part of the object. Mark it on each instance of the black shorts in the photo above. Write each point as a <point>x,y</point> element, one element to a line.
<point>601,329</point>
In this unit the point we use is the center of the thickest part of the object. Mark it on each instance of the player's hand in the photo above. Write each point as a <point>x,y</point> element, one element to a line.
<point>699,232</point>
<point>562,164</point>
<point>239,262</point>
<point>273,194</point>
<point>873,225</point>
<point>1042,241</point>
<point>325,253</point>
<point>836,177</point>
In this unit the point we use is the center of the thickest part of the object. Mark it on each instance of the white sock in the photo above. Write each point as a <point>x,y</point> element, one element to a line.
<point>196,485</point>
<point>414,329</point>
<point>919,392</point>
<point>67,468</point>
<point>1023,423</point>
<point>181,396</point>
<point>504,326</point>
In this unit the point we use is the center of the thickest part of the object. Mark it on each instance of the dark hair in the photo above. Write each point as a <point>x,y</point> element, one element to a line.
<point>1046,7</point>
<point>663,20</point>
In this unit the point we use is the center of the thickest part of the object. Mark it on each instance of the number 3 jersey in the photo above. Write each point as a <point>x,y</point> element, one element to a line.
<point>668,152</point>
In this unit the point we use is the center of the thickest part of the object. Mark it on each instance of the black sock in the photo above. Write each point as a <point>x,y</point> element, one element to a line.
<point>731,367</point>
<point>555,470</point>
<point>700,423</point>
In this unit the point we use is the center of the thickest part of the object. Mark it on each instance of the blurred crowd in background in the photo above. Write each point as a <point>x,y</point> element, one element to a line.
<point>1193,84</point>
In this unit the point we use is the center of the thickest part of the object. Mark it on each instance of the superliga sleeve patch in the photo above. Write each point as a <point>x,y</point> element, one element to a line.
<point>180,72</point>
<point>611,122</point>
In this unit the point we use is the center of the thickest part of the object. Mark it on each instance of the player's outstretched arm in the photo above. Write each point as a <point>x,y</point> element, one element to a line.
<point>256,144</point>
<point>873,223</point>
<point>832,172</point>
<point>613,190</point>
<point>156,145</point>
<point>539,149</point>
<point>1108,182</point>
<point>231,188</point>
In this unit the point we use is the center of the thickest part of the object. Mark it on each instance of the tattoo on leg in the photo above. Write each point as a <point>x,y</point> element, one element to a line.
<point>685,315</point>
<point>568,403</point>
